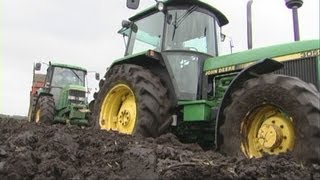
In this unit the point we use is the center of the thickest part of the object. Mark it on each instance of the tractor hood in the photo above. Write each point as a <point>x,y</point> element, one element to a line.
<point>283,52</point>
<point>74,87</point>
<point>71,91</point>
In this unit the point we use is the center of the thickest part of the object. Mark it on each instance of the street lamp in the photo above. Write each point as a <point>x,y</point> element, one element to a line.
<point>294,5</point>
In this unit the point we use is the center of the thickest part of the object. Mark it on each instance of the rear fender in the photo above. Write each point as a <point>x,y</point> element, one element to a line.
<point>153,61</point>
<point>44,94</point>
<point>261,67</point>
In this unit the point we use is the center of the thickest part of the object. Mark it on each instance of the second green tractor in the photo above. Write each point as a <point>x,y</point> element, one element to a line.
<point>60,95</point>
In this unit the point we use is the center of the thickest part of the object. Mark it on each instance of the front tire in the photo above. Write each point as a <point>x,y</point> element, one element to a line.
<point>131,100</point>
<point>44,111</point>
<point>273,114</point>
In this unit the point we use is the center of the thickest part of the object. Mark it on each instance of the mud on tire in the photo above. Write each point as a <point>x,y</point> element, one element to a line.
<point>152,103</point>
<point>298,99</point>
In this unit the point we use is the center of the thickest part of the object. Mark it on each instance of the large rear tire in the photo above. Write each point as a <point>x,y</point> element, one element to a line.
<point>131,100</point>
<point>44,111</point>
<point>273,114</point>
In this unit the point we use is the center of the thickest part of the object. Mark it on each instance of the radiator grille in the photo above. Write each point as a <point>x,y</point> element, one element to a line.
<point>77,93</point>
<point>305,69</point>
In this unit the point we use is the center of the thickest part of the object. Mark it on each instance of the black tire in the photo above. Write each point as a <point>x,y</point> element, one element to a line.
<point>46,108</point>
<point>151,97</point>
<point>293,96</point>
<point>90,114</point>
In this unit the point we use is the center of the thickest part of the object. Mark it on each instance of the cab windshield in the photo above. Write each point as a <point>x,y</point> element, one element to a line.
<point>65,76</point>
<point>189,29</point>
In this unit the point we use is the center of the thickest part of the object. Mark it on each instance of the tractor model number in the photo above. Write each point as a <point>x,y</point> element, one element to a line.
<point>312,53</point>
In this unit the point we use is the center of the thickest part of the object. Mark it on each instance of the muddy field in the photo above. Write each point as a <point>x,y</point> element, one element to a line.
<point>35,151</point>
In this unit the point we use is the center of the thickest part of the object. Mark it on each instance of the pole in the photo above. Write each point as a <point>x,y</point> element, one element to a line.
<point>249,24</point>
<point>294,5</point>
<point>295,23</point>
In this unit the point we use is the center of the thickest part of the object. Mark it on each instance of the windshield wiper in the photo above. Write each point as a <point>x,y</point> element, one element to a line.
<point>174,25</point>
<point>178,21</point>
<point>77,75</point>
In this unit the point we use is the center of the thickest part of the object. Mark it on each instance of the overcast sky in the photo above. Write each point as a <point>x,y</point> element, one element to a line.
<point>83,32</point>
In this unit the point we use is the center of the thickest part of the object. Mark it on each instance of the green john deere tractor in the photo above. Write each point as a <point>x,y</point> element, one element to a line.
<point>172,78</point>
<point>59,96</point>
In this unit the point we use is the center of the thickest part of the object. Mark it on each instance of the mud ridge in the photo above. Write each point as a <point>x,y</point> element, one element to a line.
<point>38,151</point>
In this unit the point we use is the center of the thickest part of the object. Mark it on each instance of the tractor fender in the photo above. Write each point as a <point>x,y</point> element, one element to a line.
<point>43,91</point>
<point>153,61</point>
<point>40,94</point>
<point>263,66</point>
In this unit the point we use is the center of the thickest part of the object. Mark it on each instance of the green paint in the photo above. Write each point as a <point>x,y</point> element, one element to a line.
<point>75,114</point>
<point>63,99</point>
<point>130,57</point>
<point>68,66</point>
<point>221,85</point>
<point>199,110</point>
<point>260,53</point>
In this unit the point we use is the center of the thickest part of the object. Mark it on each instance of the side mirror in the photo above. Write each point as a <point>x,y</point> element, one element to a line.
<point>37,67</point>
<point>97,76</point>
<point>133,4</point>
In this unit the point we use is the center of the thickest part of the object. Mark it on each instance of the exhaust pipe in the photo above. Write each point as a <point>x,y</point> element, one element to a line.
<point>294,5</point>
<point>249,24</point>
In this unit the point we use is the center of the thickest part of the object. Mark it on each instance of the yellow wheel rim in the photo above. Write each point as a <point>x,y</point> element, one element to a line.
<point>267,130</point>
<point>118,110</point>
<point>37,119</point>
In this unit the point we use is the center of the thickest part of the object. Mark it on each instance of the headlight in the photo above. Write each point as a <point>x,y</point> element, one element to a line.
<point>82,98</point>
<point>71,97</point>
<point>160,6</point>
<point>76,98</point>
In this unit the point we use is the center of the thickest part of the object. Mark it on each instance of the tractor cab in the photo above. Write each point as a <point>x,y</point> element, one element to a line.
<point>186,33</point>
<point>65,81</point>
<point>67,84</point>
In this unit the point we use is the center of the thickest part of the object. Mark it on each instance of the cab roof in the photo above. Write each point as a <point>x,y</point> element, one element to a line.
<point>221,17</point>
<point>68,66</point>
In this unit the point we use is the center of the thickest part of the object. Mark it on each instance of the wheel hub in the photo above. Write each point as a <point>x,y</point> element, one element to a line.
<point>124,117</point>
<point>269,136</point>
<point>268,131</point>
